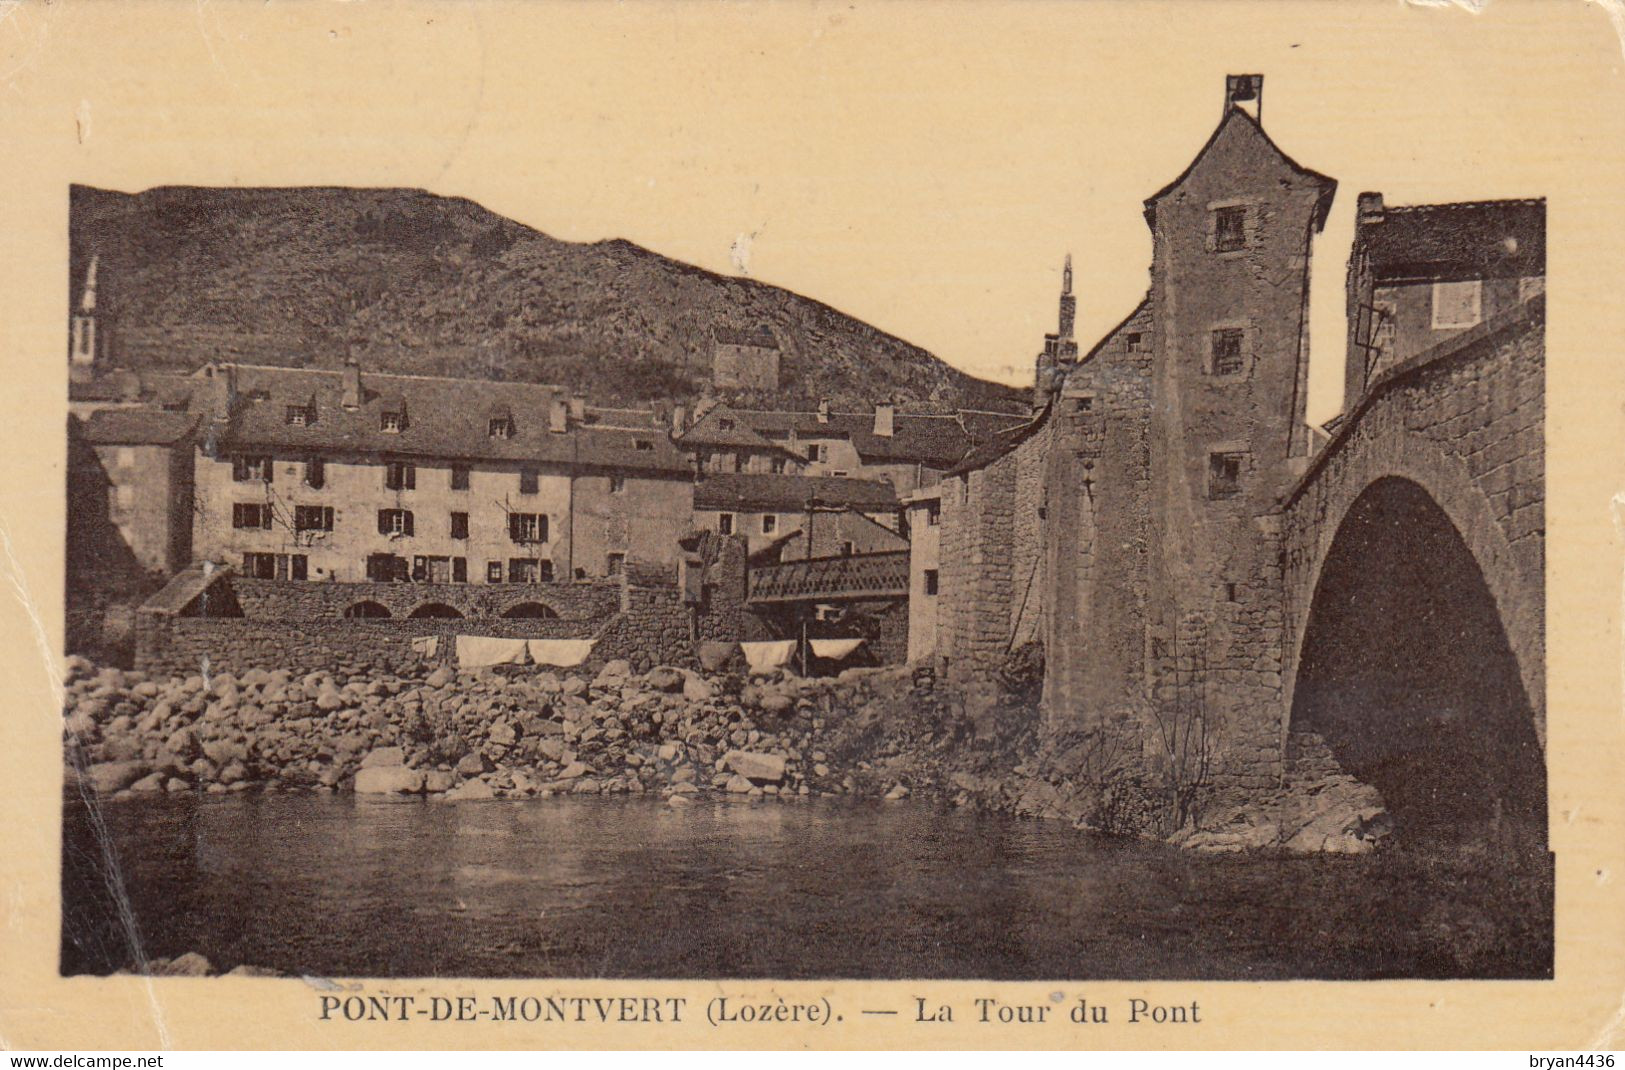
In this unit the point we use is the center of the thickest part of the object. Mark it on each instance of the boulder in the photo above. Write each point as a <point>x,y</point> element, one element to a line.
<point>384,757</point>
<point>551,747</point>
<point>473,764</point>
<point>678,800</point>
<point>388,780</point>
<point>697,689</point>
<point>764,768</point>
<point>471,791</point>
<point>776,702</point>
<point>738,785</point>
<point>149,783</point>
<point>574,770</point>
<point>440,678</point>
<point>664,678</point>
<point>437,780</point>
<point>108,777</point>
<point>613,674</point>
<point>714,656</point>
<point>900,791</point>
<point>503,734</point>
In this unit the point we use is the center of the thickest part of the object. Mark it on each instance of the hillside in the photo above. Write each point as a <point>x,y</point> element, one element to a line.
<point>414,282</point>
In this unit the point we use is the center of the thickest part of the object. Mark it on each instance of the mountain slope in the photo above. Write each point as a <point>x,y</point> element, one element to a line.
<point>413,282</point>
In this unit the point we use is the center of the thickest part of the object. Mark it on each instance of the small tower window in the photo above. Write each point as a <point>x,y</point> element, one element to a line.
<point>392,422</point>
<point>1224,474</point>
<point>300,416</point>
<point>1227,354</point>
<point>501,427</point>
<point>1230,228</point>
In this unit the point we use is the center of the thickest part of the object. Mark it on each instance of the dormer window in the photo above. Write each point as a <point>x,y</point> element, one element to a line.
<point>299,415</point>
<point>501,427</point>
<point>392,421</point>
<point>643,445</point>
<point>260,394</point>
<point>1230,228</point>
<point>725,423</point>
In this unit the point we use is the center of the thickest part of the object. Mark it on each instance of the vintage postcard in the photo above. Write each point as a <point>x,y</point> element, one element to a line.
<point>833,525</point>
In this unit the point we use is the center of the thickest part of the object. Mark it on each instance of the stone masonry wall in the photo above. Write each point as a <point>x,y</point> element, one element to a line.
<point>292,600</point>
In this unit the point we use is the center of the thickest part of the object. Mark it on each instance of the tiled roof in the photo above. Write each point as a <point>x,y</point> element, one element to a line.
<point>1466,240</point>
<point>935,441</point>
<point>1007,440</point>
<point>137,427</point>
<point>786,493</point>
<point>447,418</point>
<point>709,431</point>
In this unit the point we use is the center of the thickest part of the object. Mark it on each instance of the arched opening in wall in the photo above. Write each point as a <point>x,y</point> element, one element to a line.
<point>367,611</point>
<point>1407,676</point>
<point>435,610</point>
<point>530,611</point>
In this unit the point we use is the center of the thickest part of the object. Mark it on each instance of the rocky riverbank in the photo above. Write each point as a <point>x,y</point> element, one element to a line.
<point>675,733</point>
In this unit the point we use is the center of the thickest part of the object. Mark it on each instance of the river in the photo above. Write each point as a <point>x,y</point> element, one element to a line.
<point>340,886</point>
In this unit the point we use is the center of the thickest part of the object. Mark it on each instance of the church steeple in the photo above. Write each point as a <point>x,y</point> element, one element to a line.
<point>1069,304</point>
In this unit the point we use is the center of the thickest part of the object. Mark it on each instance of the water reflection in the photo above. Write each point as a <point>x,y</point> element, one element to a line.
<point>822,888</point>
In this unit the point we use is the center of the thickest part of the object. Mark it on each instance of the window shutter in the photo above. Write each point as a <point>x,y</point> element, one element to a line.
<point>265,517</point>
<point>459,570</point>
<point>406,518</point>
<point>268,468</point>
<point>541,528</point>
<point>383,521</point>
<point>411,479</point>
<point>420,568</point>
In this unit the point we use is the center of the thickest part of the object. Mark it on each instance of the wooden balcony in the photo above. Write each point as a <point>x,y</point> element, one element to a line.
<point>831,579</point>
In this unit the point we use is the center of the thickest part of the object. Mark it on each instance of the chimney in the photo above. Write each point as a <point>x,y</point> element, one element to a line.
<point>1245,92</point>
<point>823,410</point>
<point>885,419</point>
<point>578,408</point>
<point>558,415</point>
<point>221,390</point>
<point>1370,209</point>
<point>351,398</point>
<point>679,419</point>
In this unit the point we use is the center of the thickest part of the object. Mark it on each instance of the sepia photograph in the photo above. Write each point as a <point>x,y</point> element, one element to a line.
<point>1049,501</point>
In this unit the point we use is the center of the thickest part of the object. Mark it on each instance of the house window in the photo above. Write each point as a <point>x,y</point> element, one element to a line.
<point>847,548</point>
<point>431,569</point>
<point>643,445</point>
<point>930,581</point>
<point>964,490</point>
<point>838,473</point>
<point>400,475</point>
<point>1230,592</point>
<point>725,523</point>
<point>459,570</point>
<point>1457,304</point>
<point>1083,404</point>
<point>459,477</point>
<point>493,572</point>
<point>1224,474</point>
<point>524,570</point>
<point>933,514</point>
<point>259,394</point>
<point>1230,228</point>
<point>778,466</point>
<point>315,473</point>
<point>395,522</point>
<point>528,481</point>
<point>1226,355</point>
<point>733,464</point>
<point>527,527</point>
<point>617,484</point>
<point>392,422</point>
<point>313,518</point>
<point>298,566</point>
<point>384,568</point>
<point>251,469</point>
<point>815,452</point>
<point>501,427</point>
<point>259,566</point>
<point>770,522</point>
<point>614,564</point>
<point>298,416</point>
<point>250,515</point>
<point>725,423</point>
<point>459,525</point>
<point>1135,341</point>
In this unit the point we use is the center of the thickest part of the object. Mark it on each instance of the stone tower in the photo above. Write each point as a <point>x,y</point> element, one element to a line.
<point>1230,291</point>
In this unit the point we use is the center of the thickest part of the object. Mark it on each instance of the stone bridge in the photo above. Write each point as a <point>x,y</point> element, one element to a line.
<point>1414,554</point>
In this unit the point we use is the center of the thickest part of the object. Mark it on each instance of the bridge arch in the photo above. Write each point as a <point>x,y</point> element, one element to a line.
<point>1380,450</point>
<point>1406,669</point>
